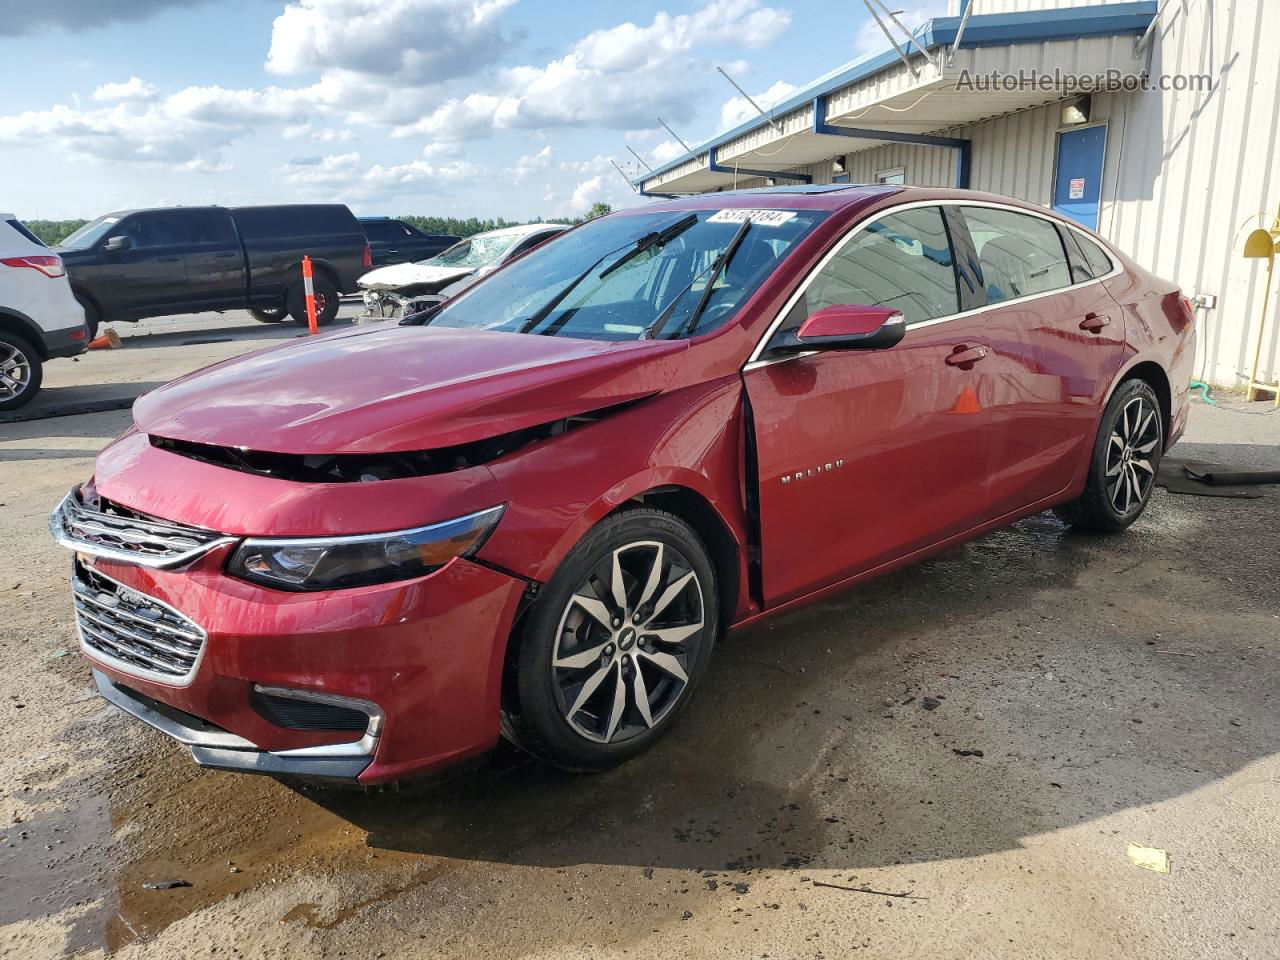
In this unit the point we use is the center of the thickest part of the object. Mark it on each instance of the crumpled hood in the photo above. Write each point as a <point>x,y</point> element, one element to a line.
<point>408,274</point>
<point>380,389</point>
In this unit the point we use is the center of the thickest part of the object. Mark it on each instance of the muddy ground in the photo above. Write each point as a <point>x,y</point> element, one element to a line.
<point>808,806</point>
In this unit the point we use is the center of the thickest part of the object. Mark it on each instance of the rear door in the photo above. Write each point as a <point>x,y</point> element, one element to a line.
<point>1063,335</point>
<point>149,278</point>
<point>214,260</point>
<point>864,457</point>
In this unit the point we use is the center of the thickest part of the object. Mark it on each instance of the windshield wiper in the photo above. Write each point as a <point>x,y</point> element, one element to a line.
<point>654,329</point>
<point>665,235</point>
<point>644,243</point>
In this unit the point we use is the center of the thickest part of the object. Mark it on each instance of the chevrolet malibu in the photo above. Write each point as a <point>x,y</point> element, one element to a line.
<point>532,511</point>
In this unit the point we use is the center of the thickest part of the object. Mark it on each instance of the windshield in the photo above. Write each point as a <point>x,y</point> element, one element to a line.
<point>89,234</point>
<point>626,277</point>
<point>474,251</point>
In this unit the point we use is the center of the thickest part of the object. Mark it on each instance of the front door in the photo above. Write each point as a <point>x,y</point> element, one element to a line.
<point>149,278</point>
<point>1077,186</point>
<point>864,457</point>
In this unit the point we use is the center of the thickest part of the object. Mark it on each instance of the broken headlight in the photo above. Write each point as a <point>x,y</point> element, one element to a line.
<point>330,563</point>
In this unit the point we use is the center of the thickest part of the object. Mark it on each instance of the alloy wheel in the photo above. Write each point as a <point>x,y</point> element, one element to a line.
<point>627,642</point>
<point>15,371</point>
<point>1130,462</point>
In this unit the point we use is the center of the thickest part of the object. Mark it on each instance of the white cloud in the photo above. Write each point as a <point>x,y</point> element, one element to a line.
<point>132,89</point>
<point>666,150</point>
<point>737,110</point>
<point>345,176</point>
<point>871,39</point>
<point>531,164</point>
<point>619,78</point>
<point>308,131</point>
<point>405,41</point>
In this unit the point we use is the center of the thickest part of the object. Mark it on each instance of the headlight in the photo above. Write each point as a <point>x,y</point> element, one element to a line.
<point>329,563</point>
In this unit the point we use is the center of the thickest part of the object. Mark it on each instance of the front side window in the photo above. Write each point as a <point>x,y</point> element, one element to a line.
<point>902,261</point>
<point>153,230</point>
<point>634,275</point>
<point>1019,254</point>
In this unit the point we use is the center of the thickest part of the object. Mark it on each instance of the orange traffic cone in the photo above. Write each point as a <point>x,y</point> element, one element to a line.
<point>107,341</point>
<point>967,402</point>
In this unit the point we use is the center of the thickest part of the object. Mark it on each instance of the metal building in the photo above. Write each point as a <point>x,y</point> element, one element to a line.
<point>1176,173</point>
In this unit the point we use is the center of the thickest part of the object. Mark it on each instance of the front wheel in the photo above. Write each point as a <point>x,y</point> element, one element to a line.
<point>21,371</point>
<point>615,643</point>
<point>1126,456</point>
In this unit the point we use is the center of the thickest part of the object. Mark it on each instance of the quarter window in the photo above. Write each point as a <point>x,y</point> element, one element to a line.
<point>902,261</point>
<point>1020,255</point>
<point>1099,262</point>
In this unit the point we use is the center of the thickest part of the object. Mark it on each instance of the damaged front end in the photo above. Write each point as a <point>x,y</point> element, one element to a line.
<point>384,304</point>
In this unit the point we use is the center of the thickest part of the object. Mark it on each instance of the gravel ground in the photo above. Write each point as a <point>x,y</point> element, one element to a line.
<point>811,804</point>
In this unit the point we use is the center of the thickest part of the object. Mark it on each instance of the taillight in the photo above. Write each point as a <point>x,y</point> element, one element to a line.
<point>368,257</point>
<point>1188,307</point>
<point>49,266</point>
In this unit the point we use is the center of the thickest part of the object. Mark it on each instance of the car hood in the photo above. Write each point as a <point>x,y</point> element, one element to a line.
<point>381,389</point>
<point>408,274</point>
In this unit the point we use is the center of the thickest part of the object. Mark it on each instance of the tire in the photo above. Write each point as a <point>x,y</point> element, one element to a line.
<point>1126,458</point>
<point>275,314</point>
<point>92,318</point>
<point>326,301</point>
<point>21,371</point>
<point>578,702</point>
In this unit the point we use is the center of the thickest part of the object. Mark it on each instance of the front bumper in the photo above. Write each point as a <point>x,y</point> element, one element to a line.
<point>211,746</point>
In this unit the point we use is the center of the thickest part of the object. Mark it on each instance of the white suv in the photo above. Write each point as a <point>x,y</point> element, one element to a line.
<point>40,317</point>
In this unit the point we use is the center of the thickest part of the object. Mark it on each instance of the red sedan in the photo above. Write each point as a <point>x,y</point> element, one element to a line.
<point>531,512</point>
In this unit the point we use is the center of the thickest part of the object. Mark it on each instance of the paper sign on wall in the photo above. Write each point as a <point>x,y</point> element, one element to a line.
<point>1075,189</point>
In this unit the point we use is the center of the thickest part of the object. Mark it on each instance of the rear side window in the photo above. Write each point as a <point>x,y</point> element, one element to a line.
<point>210,226</point>
<point>1099,262</point>
<point>22,229</point>
<point>528,243</point>
<point>1019,255</point>
<point>384,230</point>
<point>901,261</point>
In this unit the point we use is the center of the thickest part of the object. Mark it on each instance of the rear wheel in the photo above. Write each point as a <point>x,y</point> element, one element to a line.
<point>272,314</point>
<point>1126,456</point>
<point>21,371</point>
<point>615,642</point>
<point>326,301</point>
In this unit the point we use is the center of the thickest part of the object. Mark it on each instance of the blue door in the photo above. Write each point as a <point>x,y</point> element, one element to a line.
<point>1077,186</point>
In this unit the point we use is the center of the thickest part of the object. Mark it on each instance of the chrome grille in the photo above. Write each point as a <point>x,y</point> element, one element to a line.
<point>122,535</point>
<point>136,633</point>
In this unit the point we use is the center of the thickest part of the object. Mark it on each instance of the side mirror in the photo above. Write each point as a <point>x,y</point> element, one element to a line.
<point>848,328</point>
<point>118,244</point>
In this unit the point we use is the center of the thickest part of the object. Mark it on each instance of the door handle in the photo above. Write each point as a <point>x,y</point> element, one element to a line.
<point>965,357</point>
<point>167,259</point>
<point>1094,322</point>
<point>225,256</point>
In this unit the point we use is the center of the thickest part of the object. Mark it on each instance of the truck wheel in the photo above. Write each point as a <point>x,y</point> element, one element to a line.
<point>271,314</point>
<point>21,371</point>
<point>326,301</point>
<point>91,316</point>
<point>615,643</point>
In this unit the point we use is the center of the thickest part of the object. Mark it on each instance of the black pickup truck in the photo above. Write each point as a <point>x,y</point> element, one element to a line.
<point>394,241</point>
<point>152,263</point>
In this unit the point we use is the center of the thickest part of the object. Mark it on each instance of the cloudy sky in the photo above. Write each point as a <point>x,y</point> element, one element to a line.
<point>489,108</point>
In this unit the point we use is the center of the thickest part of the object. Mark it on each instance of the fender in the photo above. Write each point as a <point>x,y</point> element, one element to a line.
<point>24,326</point>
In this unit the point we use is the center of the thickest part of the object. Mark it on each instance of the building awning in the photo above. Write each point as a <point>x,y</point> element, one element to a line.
<point>924,97</point>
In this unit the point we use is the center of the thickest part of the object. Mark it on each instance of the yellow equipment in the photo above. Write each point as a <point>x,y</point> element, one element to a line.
<point>1258,245</point>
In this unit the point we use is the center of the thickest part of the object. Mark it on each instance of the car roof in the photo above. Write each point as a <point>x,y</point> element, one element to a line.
<point>521,230</point>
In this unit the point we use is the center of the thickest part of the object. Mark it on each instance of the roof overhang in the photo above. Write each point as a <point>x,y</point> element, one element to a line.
<point>917,99</point>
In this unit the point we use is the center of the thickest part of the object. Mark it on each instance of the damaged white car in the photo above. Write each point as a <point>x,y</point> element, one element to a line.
<point>404,288</point>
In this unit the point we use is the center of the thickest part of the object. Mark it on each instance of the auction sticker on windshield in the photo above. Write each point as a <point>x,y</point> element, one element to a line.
<point>759,218</point>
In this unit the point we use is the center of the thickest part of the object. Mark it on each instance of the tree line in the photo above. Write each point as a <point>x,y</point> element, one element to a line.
<point>51,232</point>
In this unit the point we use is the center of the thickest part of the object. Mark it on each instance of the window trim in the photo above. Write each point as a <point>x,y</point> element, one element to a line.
<point>754,359</point>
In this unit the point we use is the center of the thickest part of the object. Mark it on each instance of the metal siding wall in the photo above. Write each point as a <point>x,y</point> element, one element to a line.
<point>1186,174</point>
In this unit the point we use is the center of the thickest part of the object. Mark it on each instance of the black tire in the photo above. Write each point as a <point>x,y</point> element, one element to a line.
<point>1126,458</point>
<point>541,720</point>
<point>92,318</point>
<point>21,371</point>
<point>275,314</point>
<point>326,301</point>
